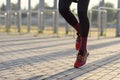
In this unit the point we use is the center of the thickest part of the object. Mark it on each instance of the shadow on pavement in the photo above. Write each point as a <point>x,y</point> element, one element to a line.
<point>73,73</point>
<point>69,73</point>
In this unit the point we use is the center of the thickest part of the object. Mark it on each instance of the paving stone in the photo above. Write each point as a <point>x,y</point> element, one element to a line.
<point>36,58</point>
<point>115,79</point>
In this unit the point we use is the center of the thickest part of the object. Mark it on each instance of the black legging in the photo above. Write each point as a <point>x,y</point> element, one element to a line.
<point>82,7</point>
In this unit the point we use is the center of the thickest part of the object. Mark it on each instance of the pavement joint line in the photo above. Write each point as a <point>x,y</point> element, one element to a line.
<point>26,70</point>
<point>81,72</point>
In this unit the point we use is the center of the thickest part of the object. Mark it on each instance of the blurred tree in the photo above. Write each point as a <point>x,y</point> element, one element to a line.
<point>95,13</point>
<point>13,6</point>
<point>3,7</point>
<point>110,13</point>
<point>46,6</point>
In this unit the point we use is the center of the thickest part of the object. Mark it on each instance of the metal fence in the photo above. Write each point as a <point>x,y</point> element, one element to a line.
<point>50,20</point>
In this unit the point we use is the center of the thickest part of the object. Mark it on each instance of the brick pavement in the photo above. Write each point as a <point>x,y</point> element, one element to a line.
<point>25,57</point>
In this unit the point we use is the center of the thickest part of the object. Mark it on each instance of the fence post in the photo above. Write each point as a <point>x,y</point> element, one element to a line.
<point>29,15</point>
<point>102,18</point>
<point>8,20</point>
<point>118,20</point>
<point>19,16</point>
<point>67,27</point>
<point>99,23</point>
<point>55,22</point>
<point>40,16</point>
<point>56,17</point>
<point>105,23</point>
<point>90,20</point>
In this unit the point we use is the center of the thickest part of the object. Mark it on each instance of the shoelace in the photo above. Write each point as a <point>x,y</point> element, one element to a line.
<point>81,58</point>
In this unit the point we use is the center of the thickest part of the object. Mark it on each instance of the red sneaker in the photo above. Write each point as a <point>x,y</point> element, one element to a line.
<point>81,59</point>
<point>77,45</point>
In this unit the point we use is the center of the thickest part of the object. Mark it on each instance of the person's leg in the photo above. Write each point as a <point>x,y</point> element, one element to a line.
<point>84,29</point>
<point>84,22</point>
<point>64,9</point>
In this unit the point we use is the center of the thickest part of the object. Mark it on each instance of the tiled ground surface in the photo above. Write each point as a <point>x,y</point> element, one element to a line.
<point>24,57</point>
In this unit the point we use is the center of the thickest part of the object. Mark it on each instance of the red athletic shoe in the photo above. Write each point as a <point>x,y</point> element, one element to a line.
<point>77,45</point>
<point>81,59</point>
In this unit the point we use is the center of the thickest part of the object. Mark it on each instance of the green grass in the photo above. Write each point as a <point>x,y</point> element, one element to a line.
<point>61,30</point>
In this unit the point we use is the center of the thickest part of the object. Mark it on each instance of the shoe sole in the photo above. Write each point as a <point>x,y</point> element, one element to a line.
<point>85,61</point>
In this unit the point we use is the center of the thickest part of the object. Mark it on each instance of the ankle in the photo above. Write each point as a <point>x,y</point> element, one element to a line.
<point>82,52</point>
<point>83,43</point>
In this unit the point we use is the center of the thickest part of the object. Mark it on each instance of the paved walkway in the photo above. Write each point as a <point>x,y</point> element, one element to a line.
<point>24,57</point>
